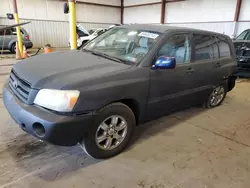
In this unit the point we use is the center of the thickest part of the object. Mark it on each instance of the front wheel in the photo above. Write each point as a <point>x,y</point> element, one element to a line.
<point>111,131</point>
<point>13,48</point>
<point>216,97</point>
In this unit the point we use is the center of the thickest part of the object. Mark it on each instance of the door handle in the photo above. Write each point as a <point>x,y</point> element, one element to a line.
<point>190,71</point>
<point>217,65</point>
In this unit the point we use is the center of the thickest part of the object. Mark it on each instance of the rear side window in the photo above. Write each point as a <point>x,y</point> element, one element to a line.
<point>224,48</point>
<point>14,31</point>
<point>205,47</point>
<point>5,32</point>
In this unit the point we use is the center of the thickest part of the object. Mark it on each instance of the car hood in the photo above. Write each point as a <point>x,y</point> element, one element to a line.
<point>61,69</point>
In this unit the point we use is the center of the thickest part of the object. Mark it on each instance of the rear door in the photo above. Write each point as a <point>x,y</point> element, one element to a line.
<point>5,38</point>
<point>204,60</point>
<point>227,59</point>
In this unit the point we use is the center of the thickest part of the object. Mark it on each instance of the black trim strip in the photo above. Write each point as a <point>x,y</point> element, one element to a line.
<point>179,94</point>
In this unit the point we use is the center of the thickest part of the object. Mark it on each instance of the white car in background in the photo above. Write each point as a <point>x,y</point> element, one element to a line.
<point>83,36</point>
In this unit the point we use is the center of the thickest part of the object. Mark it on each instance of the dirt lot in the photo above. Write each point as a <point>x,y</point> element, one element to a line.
<point>195,148</point>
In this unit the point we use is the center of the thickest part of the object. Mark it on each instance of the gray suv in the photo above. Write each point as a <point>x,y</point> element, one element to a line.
<point>8,39</point>
<point>126,76</point>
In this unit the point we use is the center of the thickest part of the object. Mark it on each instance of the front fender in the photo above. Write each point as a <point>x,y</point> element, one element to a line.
<point>104,92</point>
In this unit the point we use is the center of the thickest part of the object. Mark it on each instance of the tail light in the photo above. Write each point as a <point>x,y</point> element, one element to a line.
<point>27,37</point>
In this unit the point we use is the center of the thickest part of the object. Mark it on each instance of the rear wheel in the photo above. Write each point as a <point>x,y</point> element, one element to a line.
<point>216,97</point>
<point>13,48</point>
<point>111,131</point>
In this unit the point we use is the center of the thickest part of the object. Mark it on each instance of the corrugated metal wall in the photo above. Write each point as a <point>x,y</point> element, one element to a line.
<point>211,15</point>
<point>220,27</point>
<point>50,24</point>
<point>55,33</point>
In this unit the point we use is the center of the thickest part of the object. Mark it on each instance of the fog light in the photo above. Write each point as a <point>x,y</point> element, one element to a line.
<point>39,129</point>
<point>23,125</point>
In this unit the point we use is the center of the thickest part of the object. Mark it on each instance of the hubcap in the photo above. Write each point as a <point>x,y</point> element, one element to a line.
<point>111,132</point>
<point>217,96</point>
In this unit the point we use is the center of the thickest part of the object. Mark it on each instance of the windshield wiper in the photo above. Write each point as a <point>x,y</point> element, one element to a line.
<point>107,57</point>
<point>85,50</point>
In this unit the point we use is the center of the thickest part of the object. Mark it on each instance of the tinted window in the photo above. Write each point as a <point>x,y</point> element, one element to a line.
<point>224,48</point>
<point>14,30</point>
<point>5,32</point>
<point>205,47</point>
<point>248,36</point>
<point>242,35</point>
<point>177,46</point>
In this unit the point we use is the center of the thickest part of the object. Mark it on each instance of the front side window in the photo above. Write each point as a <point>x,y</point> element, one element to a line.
<point>205,47</point>
<point>177,46</point>
<point>224,48</point>
<point>123,43</point>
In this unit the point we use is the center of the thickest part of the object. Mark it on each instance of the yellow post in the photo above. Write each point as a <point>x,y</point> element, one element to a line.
<point>72,21</point>
<point>18,30</point>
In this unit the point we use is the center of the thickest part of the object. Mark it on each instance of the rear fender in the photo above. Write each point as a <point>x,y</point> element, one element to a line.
<point>11,43</point>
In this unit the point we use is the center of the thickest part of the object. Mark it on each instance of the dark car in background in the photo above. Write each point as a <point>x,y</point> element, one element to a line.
<point>242,47</point>
<point>126,76</point>
<point>8,39</point>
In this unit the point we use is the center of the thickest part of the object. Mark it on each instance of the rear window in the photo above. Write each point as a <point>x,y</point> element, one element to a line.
<point>205,47</point>
<point>224,48</point>
<point>248,36</point>
<point>14,30</point>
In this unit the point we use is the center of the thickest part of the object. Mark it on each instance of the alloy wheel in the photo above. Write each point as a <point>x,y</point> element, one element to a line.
<point>111,132</point>
<point>217,96</point>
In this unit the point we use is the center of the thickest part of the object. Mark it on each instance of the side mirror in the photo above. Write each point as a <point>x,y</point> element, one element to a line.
<point>66,8</point>
<point>164,62</point>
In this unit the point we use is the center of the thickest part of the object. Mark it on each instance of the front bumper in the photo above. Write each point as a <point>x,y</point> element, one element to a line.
<point>243,66</point>
<point>56,129</point>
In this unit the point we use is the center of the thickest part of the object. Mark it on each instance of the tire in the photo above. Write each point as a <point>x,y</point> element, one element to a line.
<point>219,91</point>
<point>13,48</point>
<point>231,83</point>
<point>102,129</point>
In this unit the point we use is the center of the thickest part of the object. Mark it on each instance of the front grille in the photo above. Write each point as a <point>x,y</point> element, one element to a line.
<point>20,87</point>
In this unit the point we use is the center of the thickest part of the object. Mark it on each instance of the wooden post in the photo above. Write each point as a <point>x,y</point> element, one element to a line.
<point>236,17</point>
<point>163,10</point>
<point>237,10</point>
<point>122,11</point>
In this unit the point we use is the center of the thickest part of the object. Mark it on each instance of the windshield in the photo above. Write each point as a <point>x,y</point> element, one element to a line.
<point>242,35</point>
<point>124,44</point>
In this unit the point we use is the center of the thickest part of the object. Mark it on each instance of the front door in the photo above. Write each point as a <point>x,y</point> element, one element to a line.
<point>172,89</point>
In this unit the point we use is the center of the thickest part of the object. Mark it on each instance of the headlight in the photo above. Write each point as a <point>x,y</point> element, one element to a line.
<point>58,100</point>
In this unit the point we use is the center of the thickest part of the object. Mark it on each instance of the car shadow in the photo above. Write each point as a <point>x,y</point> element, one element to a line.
<point>50,162</point>
<point>161,124</point>
<point>46,161</point>
<point>6,52</point>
